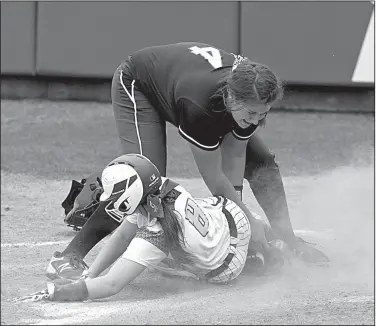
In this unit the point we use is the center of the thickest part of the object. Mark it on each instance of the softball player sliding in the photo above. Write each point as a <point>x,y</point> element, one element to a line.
<point>158,218</point>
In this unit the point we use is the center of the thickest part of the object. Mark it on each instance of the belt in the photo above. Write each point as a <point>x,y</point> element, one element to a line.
<point>233,234</point>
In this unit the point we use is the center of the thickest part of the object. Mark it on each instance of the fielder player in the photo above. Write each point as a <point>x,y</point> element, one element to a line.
<point>208,237</point>
<point>217,100</point>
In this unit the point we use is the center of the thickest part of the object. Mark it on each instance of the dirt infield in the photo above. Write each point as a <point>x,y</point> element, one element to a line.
<point>65,140</point>
<point>331,197</point>
<point>342,294</point>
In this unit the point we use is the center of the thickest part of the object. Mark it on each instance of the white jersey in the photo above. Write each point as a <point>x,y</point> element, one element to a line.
<point>205,227</point>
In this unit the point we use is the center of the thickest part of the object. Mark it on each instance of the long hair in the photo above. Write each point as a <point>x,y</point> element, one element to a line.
<point>250,81</point>
<point>174,234</point>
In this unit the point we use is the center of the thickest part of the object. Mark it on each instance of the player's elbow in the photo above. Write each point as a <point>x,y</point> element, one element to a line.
<point>111,287</point>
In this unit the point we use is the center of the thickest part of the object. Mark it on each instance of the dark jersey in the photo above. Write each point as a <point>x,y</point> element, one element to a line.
<point>180,80</point>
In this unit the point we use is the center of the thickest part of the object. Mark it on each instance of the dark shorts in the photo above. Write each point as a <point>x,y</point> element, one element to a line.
<point>140,127</point>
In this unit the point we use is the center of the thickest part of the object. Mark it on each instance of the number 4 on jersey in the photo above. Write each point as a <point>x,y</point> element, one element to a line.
<point>209,53</point>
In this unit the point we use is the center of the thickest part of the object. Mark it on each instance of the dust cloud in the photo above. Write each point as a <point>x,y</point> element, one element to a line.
<point>334,210</point>
<point>339,207</point>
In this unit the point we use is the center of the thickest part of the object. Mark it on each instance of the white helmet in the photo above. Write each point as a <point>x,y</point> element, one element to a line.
<point>126,182</point>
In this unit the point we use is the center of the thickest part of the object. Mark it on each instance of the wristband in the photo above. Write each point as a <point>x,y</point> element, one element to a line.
<point>239,191</point>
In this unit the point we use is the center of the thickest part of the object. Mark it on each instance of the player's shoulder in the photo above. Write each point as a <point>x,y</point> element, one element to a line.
<point>173,188</point>
<point>169,50</point>
<point>212,201</point>
<point>214,56</point>
<point>185,53</point>
<point>188,45</point>
<point>218,202</point>
<point>194,52</point>
<point>177,195</point>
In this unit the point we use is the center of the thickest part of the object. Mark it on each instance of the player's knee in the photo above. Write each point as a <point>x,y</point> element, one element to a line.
<point>259,162</point>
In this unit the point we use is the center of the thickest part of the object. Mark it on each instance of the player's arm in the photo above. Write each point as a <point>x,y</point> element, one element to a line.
<point>115,246</point>
<point>140,254</point>
<point>197,128</point>
<point>121,274</point>
<point>233,158</point>
<point>209,164</point>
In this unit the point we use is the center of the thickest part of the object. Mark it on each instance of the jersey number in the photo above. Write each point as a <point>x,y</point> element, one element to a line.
<point>196,217</point>
<point>209,53</point>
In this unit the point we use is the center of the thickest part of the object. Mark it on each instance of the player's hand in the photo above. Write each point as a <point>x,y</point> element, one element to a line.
<point>258,237</point>
<point>37,296</point>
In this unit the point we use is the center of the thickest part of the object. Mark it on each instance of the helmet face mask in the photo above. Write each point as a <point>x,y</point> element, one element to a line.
<point>114,213</point>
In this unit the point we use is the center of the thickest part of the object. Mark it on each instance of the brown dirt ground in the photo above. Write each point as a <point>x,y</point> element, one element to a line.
<point>342,294</point>
<point>336,206</point>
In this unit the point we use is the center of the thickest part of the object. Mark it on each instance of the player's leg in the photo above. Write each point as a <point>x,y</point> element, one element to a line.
<point>97,227</point>
<point>263,175</point>
<point>69,263</point>
<point>140,127</point>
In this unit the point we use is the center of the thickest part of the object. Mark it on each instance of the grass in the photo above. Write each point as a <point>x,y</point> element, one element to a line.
<point>65,140</point>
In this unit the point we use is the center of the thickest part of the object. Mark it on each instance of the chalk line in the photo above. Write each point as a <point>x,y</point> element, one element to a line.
<point>33,244</point>
<point>53,243</point>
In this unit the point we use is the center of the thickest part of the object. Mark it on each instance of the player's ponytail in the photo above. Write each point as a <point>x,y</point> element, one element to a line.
<point>248,80</point>
<point>174,234</point>
<point>254,81</point>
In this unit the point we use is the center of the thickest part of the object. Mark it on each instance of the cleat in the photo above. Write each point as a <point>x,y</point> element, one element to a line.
<point>307,252</point>
<point>69,267</point>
